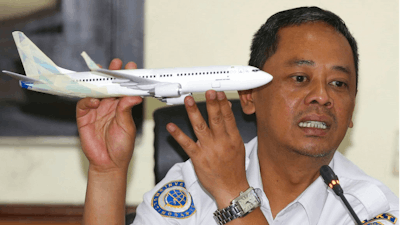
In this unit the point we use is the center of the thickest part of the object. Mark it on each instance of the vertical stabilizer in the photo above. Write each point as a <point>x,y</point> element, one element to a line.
<point>35,62</point>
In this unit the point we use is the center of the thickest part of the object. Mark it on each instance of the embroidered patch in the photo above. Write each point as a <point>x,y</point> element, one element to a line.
<point>385,216</point>
<point>374,223</point>
<point>173,200</point>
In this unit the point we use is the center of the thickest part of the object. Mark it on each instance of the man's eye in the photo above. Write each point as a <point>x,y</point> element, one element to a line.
<point>299,79</point>
<point>338,84</point>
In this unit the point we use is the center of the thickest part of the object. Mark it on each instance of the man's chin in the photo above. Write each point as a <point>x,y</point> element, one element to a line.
<point>314,153</point>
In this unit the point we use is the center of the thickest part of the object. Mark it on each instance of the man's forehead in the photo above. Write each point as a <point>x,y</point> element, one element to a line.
<point>306,30</point>
<point>301,44</point>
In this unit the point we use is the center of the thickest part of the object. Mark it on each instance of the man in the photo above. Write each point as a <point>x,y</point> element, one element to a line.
<point>302,116</point>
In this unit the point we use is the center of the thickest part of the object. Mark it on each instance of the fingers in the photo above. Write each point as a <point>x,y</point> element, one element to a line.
<point>220,115</point>
<point>215,118</point>
<point>115,64</point>
<point>199,125</point>
<point>228,115</point>
<point>183,140</point>
<point>84,105</point>
<point>221,122</point>
<point>130,65</point>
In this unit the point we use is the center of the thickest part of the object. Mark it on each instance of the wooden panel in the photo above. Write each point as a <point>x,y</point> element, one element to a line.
<point>38,223</point>
<point>44,214</point>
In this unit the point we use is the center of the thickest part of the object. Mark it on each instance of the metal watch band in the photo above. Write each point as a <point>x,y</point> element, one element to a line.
<point>227,214</point>
<point>246,202</point>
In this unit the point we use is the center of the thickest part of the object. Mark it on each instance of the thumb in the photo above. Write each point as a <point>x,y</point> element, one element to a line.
<point>124,110</point>
<point>84,105</point>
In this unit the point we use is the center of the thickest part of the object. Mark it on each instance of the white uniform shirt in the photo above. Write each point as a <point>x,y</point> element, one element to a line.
<point>180,199</point>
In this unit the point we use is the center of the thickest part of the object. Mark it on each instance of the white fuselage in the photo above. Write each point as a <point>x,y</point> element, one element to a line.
<point>194,79</point>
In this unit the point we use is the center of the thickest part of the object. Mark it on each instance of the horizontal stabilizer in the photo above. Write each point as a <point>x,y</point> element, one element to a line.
<point>21,77</point>
<point>89,62</point>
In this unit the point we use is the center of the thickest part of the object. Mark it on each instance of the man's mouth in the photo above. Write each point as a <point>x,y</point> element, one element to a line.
<point>313,124</point>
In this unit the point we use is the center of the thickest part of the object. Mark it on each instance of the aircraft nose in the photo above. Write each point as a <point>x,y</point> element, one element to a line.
<point>257,79</point>
<point>264,77</point>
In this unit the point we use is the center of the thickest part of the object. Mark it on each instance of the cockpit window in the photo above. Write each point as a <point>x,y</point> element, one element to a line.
<point>255,70</point>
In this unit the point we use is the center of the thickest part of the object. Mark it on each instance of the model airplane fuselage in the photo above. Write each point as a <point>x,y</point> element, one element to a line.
<point>170,85</point>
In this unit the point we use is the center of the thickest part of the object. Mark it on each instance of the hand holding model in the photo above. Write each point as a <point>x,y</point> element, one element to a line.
<point>107,133</point>
<point>219,154</point>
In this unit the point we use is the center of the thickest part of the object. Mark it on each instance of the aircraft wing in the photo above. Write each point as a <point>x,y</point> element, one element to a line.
<point>21,77</point>
<point>124,79</point>
<point>127,79</point>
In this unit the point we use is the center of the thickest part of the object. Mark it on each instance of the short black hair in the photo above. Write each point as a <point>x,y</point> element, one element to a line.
<point>265,41</point>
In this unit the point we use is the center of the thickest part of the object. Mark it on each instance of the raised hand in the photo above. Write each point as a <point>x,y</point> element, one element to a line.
<point>106,128</point>
<point>107,134</point>
<point>219,155</point>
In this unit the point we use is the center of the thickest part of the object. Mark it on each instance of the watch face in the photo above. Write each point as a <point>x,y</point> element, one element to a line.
<point>248,201</point>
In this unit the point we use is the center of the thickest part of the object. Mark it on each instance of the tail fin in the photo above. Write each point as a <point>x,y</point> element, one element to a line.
<point>89,61</point>
<point>35,62</point>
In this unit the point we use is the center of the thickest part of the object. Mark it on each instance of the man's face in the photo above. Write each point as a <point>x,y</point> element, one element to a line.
<point>308,106</point>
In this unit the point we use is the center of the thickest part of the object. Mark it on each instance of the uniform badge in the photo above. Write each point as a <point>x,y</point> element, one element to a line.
<point>381,217</point>
<point>173,200</point>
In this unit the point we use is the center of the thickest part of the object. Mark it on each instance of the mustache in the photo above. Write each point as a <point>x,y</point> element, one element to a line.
<point>316,110</point>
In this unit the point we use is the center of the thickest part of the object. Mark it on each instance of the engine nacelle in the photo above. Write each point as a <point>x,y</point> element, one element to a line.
<point>175,101</point>
<point>167,90</point>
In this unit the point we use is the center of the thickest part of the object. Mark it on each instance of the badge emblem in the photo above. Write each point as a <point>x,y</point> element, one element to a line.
<point>173,200</point>
<point>375,223</point>
<point>381,217</point>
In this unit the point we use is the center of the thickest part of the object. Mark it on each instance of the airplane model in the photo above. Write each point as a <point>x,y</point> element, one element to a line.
<point>169,85</point>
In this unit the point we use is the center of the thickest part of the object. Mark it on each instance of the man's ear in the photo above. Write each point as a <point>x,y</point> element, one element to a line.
<point>246,100</point>
<point>352,113</point>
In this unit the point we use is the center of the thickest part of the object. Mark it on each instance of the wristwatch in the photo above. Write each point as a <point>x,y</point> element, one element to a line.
<point>240,206</point>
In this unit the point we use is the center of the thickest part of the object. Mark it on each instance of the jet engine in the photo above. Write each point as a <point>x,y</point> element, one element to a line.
<point>167,90</point>
<point>175,101</point>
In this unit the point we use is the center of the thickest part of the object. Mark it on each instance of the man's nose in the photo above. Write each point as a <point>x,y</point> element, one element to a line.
<point>318,94</point>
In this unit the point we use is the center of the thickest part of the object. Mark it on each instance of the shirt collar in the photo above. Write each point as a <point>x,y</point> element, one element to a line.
<point>254,176</point>
<point>252,165</point>
<point>317,190</point>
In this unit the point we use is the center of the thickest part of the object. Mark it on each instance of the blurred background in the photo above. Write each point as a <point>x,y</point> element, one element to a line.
<point>41,163</point>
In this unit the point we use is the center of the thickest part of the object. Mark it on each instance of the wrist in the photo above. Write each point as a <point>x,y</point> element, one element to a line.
<point>105,196</point>
<point>246,202</point>
<point>108,173</point>
<point>225,197</point>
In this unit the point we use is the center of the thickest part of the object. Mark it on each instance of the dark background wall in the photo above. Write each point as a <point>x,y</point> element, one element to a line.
<point>104,29</point>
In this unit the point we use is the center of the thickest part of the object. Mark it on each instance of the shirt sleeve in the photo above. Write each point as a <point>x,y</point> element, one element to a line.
<point>146,215</point>
<point>168,202</point>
